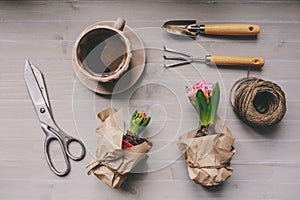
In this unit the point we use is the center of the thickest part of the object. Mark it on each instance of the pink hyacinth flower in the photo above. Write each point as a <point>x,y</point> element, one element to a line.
<point>203,85</point>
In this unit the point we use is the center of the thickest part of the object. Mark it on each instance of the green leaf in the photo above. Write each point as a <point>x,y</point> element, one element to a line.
<point>139,121</point>
<point>134,128</point>
<point>214,103</point>
<point>137,127</point>
<point>134,114</point>
<point>203,108</point>
<point>208,111</point>
<point>193,101</point>
<point>146,122</point>
<point>132,118</point>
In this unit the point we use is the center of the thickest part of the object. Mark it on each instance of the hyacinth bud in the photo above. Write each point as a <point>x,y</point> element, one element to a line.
<point>139,121</point>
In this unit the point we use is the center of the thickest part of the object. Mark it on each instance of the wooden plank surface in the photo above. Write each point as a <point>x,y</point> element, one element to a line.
<point>266,165</point>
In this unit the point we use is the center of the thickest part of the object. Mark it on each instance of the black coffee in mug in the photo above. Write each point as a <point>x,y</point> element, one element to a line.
<point>102,52</point>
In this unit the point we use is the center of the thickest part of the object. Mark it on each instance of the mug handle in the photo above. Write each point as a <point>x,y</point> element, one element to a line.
<point>119,24</point>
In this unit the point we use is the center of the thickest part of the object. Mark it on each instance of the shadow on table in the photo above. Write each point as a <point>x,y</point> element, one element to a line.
<point>231,37</point>
<point>130,184</point>
<point>269,132</point>
<point>215,189</point>
<point>272,132</point>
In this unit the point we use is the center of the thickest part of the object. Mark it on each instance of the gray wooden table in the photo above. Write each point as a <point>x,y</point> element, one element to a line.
<point>266,164</point>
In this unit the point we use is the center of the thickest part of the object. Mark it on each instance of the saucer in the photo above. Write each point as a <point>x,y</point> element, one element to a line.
<point>135,70</point>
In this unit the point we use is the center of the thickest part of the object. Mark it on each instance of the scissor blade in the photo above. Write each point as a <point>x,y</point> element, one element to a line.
<point>33,79</point>
<point>41,82</point>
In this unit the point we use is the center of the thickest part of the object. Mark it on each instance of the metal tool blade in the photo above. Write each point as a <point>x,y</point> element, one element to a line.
<point>33,79</point>
<point>41,82</point>
<point>182,27</point>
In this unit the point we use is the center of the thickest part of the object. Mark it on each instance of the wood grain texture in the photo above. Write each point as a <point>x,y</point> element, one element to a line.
<point>237,61</point>
<point>232,29</point>
<point>266,165</point>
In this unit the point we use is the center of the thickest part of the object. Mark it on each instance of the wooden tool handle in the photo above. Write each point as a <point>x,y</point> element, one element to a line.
<point>231,29</point>
<point>235,61</point>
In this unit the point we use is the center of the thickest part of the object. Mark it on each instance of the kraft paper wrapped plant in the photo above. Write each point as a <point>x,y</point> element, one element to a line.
<point>118,153</point>
<point>208,149</point>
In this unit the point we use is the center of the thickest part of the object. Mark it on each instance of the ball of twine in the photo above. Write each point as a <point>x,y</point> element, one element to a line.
<point>257,102</point>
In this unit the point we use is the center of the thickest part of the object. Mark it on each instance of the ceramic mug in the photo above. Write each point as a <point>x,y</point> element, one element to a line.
<point>103,53</point>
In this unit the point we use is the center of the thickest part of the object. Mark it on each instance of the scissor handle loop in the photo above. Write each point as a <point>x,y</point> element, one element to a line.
<point>68,140</point>
<point>48,140</point>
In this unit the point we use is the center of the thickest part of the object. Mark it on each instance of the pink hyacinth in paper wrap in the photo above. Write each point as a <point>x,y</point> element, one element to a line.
<point>208,149</point>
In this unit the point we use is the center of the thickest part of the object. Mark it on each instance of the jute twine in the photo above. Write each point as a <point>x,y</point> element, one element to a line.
<point>257,102</point>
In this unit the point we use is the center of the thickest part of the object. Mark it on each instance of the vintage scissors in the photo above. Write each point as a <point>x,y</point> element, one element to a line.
<point>38,93</point>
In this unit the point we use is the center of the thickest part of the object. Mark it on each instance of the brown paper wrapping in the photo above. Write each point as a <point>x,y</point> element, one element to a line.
<point>112,163</point>
<point>208,157</point>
